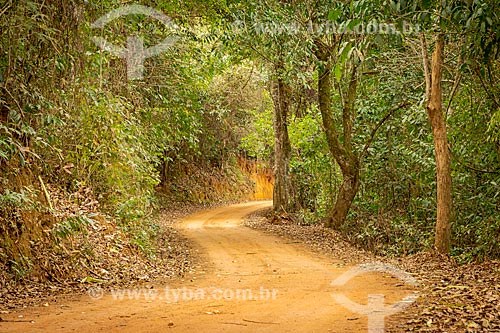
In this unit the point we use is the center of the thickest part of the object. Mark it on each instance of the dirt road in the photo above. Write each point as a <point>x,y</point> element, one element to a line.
<point>249,282</point>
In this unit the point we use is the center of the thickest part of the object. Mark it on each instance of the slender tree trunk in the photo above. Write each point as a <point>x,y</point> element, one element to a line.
<point>282,147</point>
<point>434,75</point>
<point>343,153</point>
<point>347,193</point>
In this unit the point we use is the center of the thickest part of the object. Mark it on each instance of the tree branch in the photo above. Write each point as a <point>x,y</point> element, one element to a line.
<point>459,161</point>
<point>488,92</point>
<point>427,65</point>
<point>379,124</point>
<point>456,84</point>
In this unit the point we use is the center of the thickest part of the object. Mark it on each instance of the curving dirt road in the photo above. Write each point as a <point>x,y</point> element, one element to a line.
<point>252,282</point>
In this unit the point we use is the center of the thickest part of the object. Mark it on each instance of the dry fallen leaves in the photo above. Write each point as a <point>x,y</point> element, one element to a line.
<point>454,298</point>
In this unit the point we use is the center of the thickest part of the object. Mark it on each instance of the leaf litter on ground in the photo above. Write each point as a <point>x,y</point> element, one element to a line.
<point>454,298</point>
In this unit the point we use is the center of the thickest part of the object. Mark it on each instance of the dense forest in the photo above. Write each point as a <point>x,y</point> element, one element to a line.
<point>378,119</point>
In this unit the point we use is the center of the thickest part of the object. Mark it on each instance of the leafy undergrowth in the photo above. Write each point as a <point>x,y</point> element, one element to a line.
<point>80,246</point>
<point>454,298</point>
<point>99,254</point>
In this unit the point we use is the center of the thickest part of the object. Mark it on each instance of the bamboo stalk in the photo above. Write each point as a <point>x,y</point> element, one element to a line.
<point>45,192</point>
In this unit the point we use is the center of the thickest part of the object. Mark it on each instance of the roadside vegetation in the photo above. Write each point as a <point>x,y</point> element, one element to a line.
<point>392,139</point>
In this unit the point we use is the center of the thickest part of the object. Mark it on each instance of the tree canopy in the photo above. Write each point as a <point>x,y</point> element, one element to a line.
<point>380,119</point>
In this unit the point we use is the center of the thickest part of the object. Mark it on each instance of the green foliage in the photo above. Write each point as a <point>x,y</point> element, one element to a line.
<point>69,114</point>
<point>143,236</point>
<point>259,141</point>
<point>72,225</point>
<point>22,199</point>
<point>105,141</point>
<point>13,204</point>
<point>21,267</point>
<point>476,173</point>
<point>314,172</point>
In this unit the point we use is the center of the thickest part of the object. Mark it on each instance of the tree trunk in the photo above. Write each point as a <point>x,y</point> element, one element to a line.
<point>282,147</point>
<point>434,76</point>
<point>344,154</point>
<point>348,190</point>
